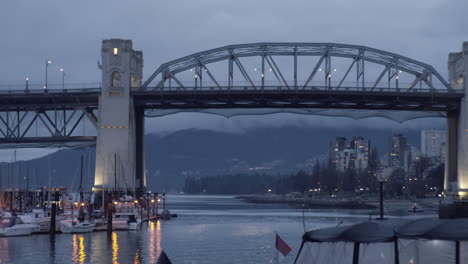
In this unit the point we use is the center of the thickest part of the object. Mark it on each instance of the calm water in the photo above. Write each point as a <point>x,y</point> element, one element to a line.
<point>209,229</point>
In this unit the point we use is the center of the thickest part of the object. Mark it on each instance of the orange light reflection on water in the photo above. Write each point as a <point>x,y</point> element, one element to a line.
<point>79,253</point>
<point>137,258</point>
<point>115,248</point>
<point>154,240</point>
<point>75,249</point>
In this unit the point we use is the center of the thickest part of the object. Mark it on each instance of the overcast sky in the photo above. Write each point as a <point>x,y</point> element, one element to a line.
<point>70,34</point>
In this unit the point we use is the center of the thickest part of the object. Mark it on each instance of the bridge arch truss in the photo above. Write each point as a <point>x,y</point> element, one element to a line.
<point>330,66</point>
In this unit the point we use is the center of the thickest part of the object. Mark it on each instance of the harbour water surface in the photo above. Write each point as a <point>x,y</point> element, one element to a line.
<point>209,229</point>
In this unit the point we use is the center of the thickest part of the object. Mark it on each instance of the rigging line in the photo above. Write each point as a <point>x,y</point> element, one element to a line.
<point>122,170</point>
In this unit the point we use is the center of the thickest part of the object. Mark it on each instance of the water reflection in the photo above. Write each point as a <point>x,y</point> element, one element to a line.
<point>79,253</point>
<point>154,240</point>
<point>137,257</point>
<point>115,248</point>
<point>4,256</point>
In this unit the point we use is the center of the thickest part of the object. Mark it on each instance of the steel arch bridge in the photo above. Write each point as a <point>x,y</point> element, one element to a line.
<point>393,66</point>
<point>248,76</point>
<point>278,76</point>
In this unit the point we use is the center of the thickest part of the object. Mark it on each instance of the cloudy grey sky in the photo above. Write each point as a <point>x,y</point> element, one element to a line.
<point>70,34</point>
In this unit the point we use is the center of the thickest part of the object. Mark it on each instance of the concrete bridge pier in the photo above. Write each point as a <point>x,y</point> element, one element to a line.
<point>456,166</point>
<point>120,166</point>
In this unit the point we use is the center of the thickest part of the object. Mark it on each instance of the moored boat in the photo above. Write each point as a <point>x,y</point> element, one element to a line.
<point>41,218</point>
<point>70,226</point>
<point>14,226</point>
<point>126,221</point>
<point>127,216</point>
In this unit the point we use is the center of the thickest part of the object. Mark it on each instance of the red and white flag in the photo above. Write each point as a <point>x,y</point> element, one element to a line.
<point>281,250</point>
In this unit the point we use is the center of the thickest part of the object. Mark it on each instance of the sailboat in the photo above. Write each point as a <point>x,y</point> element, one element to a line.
<point>81,225</point>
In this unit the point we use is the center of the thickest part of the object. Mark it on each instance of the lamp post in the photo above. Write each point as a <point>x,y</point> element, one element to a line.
<point>381,177</point>
<point>27,84</point>
<point>46,72</point>
<point>63,78</point>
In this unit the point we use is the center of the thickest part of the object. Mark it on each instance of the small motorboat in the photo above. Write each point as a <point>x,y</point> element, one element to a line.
<point>415,209</point>
<point>14,226</point>
<point>126,221</point>
<point>70,226</point>
<point>127,215</point>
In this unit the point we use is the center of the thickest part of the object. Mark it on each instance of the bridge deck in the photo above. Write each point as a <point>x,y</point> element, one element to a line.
<point>376,99</point>
<point>243,97</point>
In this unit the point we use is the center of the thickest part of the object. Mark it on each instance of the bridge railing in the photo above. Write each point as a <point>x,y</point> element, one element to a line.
<point>280,88</point>
<point>52,88</point>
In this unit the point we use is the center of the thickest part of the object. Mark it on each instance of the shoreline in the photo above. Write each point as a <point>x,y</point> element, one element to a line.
<point>306,202</point>
<point>429,204</point>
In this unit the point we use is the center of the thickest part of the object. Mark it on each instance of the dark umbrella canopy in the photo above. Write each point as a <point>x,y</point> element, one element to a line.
<point>367,232</point>
<point>163,259</point>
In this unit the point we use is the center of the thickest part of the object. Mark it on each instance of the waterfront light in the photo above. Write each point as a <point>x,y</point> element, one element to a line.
<point>136,201</point>
<point>159,200</point>
<point>269,190</point>
<point>152,201</point>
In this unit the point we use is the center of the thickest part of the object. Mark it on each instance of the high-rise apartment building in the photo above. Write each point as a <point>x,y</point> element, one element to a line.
<point>433,143</point>
<point>353,154</point>
<point>398,148</point>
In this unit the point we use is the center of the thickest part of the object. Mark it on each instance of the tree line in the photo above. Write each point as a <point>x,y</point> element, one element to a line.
<point>324,179</point>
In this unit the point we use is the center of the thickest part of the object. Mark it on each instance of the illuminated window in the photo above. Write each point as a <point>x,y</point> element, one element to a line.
<point>116,51</point>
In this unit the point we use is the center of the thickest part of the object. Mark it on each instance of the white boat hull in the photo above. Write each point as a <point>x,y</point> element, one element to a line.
<point>18,230</point>
<point>123,225</point>
<point>43,223</point>
<point>69,227</point>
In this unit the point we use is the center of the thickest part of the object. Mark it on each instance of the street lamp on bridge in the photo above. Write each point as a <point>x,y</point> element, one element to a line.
<point>63,78</point>
<point>46,72</point>
<point>27,83</point>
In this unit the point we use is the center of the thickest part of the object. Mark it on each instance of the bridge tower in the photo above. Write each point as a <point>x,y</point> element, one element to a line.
<point>456,171</point>
<point>119,149</point>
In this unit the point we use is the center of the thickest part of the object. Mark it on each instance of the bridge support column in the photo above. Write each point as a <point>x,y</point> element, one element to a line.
<point>456,164</point>
<point>120,163</point>
<point>457,184</point>
<point>451,159</point>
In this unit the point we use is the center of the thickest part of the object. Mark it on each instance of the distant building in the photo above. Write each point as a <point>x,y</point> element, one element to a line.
<point>353,154</point>
<point>411,155</point>
<point>398,147</point>
<point>433,143</point>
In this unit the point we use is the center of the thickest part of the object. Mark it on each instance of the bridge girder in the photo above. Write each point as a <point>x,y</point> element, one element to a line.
<point>39,118</point>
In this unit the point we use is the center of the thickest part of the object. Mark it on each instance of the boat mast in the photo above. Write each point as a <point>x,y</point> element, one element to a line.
<point>80,189</point>
<point>115,173</point>
<point>81,209</point>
